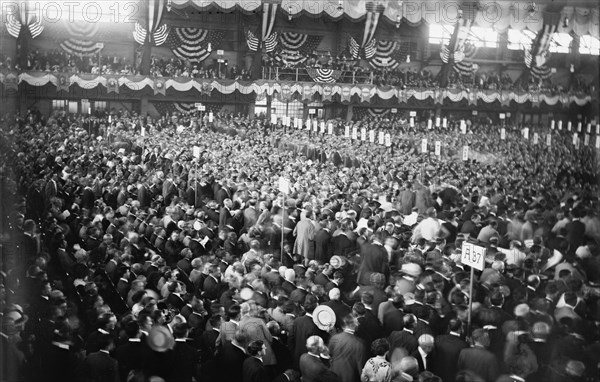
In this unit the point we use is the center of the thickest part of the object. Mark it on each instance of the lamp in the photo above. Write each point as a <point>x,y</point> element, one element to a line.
<point>289,11</point>
<point>398,18</point>
<point>209,47</point>
<point>408,59</point>
<point>169,5</point>
<point>566,22</point>
<point>340,6</point>
<point>460,13</point>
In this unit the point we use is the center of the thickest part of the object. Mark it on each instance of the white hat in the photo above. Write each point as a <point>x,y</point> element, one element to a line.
<point>324,317</point>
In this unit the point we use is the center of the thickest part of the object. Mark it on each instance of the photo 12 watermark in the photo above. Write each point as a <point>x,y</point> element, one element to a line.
<point>72,11</point>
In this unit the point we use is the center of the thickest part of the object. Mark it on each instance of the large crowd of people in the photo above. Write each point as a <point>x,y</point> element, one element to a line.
<point>172,254</point>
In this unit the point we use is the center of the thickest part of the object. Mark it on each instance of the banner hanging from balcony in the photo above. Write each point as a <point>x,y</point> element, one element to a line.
<point>327,76</point>
<point>22,17</point>
<point>374,11</point>
<point>194,44</point>
<point>347,93</point>
<point>148,28</point>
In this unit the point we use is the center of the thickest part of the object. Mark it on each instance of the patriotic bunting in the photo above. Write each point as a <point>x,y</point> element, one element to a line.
<point>271,42</point>
<point>536,57</point>
<point>389,54</point>
<point>327,76</point>
<point>27,19</point>
<point>193,43</point>
<point>81,47</point>
<point>147,29</point>
<point>171,108</point>
<point>307,90</point>
<point>252,41</point>
<point>353,47</point>
<point>294,47</point>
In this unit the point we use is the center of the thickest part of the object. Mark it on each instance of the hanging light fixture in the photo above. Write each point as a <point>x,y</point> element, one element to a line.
<point>169,5</point>
<point>398,18</point>
<point>289,12</point>
<point>566,22</point>
<point>340,5</point>
<point>408,59</point>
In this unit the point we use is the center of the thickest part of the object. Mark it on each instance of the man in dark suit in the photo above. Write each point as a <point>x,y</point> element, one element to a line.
<point>303,328</point>
<point>253,368</point>
<point>312,367</point>
<point>575,230</point>
<point>185,357</point>
<point>250,215</point>
<point>405,338</point>
<point>299,294</point>
<point>212,284</point>
<point>423,352</point>
<point>447,349</point>
<point>100,366</point>
<point>374,259</point>
<point>144,196</point>
<point>128,355</point>
<point>369,328</point>
<point>232,356</point>
<point>478,359</point>
<point>323,249</point>
<point>340,309</point>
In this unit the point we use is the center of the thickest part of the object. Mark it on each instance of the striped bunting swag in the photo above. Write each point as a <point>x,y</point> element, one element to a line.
<point>295,46</point>
<point>148,28</point>
<point>383,57</point>
<point>82,30</point>
<point>268,21</point>
<point>271,42</point>
<point>192,43</point>
<point>13,24</point>
<point>170,108</point>
<point>353,47</point>
<point>252,41</point>
<point>139,34</point>
<point>321,75</point>
<point>371,49</point>
<point>81,47</point>
<point>463,68</point>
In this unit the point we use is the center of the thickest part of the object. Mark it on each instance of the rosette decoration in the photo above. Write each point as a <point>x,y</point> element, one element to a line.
<point>79,42</point>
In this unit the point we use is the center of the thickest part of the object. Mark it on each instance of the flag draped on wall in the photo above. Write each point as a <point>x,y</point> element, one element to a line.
<point>252,41</point>
<point>367,112</point>
<point>374,11</point>
<point>148,28</point>
<point>294,47</point>
<point>79,42</point>
<point>25,18</point>
<point>537,56</point>
<point>194,44</point>
<point>454,51</point>
<point>269,38</point>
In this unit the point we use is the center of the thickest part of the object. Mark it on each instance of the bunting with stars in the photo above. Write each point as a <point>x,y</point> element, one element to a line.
<point>194,44</point>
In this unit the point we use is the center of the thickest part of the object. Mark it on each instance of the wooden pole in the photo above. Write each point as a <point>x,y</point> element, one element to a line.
<point>470,302</point>
<point>282,225</point>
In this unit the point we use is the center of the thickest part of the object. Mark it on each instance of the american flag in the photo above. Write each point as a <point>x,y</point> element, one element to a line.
<point>193,43</point>
<point>271,42</point>
<point>353,47</point>
<point>252,41</point>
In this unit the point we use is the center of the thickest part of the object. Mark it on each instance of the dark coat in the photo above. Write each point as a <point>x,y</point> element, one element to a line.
<point>129,358</point>
<point>254,371</point>
<point>314,370</point>
<point>302,328</point>
<point>369,329</point>
<point>374,259</point>
<point>323,247</point>
<point>480,361</point>
<point>185,362</point>
<point>231,361</point>
<point>445,357</point>
<point>101,367</point>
